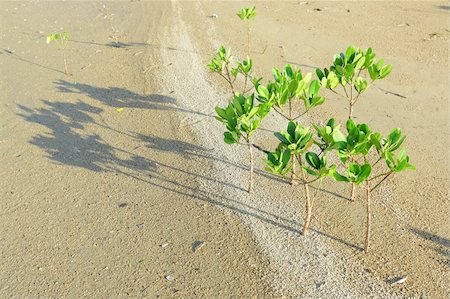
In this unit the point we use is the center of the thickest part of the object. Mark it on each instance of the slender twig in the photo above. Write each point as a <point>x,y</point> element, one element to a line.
<point>382,180</point>
<point>280,113</point>
<point>308,200</point>
<point>297,117</point>
<point>376,162</point>
<point>377,176</point>
<point>341,95</point>
<point>229,78</point>
<point>368,219</point>
<point>345,90</point>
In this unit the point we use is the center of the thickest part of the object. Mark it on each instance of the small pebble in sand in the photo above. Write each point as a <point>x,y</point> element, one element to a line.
<point>197,245</point>
<point>399,280</point>
<point>164,245</point>
<point>169,277</point>
<point>140,226</point>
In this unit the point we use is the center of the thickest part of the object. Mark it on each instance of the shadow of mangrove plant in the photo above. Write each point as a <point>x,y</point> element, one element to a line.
<point>67,142</point>
<point>122,98</point>
<point>440,244</point>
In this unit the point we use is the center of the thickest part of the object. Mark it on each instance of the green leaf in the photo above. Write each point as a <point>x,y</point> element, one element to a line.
<point>340,178</point>
<point>319,74</point>
<point>314,87</point>
<point>364,173</point>
<point>228,138</point>
<point>313,160</point>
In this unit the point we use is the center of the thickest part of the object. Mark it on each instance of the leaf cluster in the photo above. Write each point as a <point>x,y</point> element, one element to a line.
<point>351,148</point>
<point>347,68</point>
<point>241,118</point>
<point>290,84</point>
<point>62,37</point>
<point>247,13</point>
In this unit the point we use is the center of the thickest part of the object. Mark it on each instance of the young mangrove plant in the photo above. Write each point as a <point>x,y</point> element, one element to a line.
<point>289,86</point>
<point>241,118</point>
<point>293,147</point>
<point>228,68</point>
<point>223,64</point>
<point>348,71</point>
<point>247,14</point>
<point>358,144</point>
<point>61,39</point>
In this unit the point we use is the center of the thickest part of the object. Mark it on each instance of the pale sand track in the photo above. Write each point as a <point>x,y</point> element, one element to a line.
<point>69,158</point>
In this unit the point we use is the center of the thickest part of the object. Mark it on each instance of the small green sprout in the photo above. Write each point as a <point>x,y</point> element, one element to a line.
<point>62,40</point>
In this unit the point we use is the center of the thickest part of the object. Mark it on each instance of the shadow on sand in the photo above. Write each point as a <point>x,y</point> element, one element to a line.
<point>67,141</point>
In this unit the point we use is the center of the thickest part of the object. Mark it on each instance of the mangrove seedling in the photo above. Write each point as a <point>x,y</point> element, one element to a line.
<point>358,144</point>
<point>241,118</point>
<point>247,14</point>
<point>347,71</point>
<point>294,142</point>
<point>61,39</point>
<point>289,86</point>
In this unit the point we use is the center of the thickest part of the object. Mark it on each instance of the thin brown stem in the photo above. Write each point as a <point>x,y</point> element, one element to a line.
<point>280,113</point>
<point>368,219</point>
<point>297,117</point>
<point>250,180</point>
<point>377,176</point>
<point>308,201</point>
<point>66,71</point>
<point>229,79</point>
<point>345,90</point>
<point>293,174</point>
<point>350,110</point>
<point>382,180</point>
<point>352,194</point>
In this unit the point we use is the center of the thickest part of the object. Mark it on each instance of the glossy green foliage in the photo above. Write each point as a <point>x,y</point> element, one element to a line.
<point>244,68</point>
<point>240,116</point>
<point>357,142</point>
<point>386,148</point>
<point>329,136</point>
<point>290,84</point>
<point>220,60</point>
<point>355,173</point>
<point>379,70</point>
<point>296,138</point>
<point>247,13</point>
<point>278,161</point>
<point>61,37</point>
<point>348,66</point>
<point>318,166</point>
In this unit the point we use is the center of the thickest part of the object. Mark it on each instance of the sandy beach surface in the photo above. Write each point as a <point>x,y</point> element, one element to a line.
<point>116,181</point>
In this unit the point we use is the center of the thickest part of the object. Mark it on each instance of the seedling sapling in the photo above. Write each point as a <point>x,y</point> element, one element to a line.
<point>346,72</point>
<point>289,86</point>
<point>241,118</point>
<point>222,63</point>
<point>61,39</point>
<point>359,143</point>
<point>294,143</point>
<point>247,14</point>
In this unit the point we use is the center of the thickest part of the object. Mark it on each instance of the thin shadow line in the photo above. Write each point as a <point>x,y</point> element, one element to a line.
<point>17,57</point>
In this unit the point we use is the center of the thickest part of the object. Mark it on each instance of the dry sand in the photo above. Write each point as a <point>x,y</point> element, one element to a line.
<point>102,203</point>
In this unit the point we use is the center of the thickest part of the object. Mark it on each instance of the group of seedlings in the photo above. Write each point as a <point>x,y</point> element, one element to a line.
<point>62,38</point>
<point>354,154</point>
